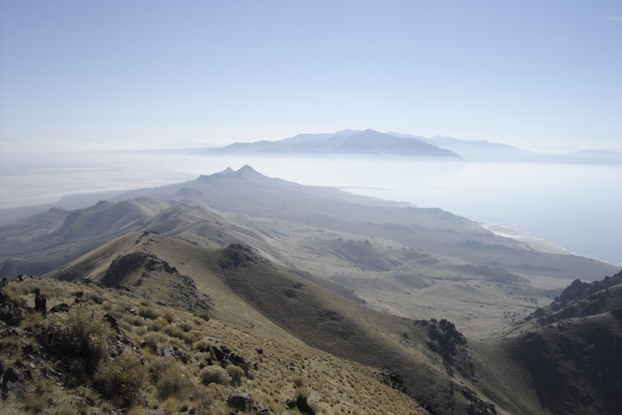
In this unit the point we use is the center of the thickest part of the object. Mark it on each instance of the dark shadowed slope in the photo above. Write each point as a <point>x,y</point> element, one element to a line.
<point>571,350</point>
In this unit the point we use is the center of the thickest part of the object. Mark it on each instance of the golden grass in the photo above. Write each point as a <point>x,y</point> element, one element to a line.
<point>135,377</point>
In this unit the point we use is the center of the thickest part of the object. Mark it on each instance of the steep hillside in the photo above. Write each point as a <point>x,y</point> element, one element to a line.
<point>562,359</point>
<point>245,289</point>
<point>572,349</point>
<point>92,350</point>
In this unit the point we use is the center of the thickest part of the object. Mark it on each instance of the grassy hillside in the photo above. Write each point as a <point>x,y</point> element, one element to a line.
<point>246,289</point>
<point>111,350</point>
<point>562,359</point>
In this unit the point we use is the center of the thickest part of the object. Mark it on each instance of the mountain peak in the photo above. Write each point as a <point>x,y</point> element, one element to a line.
<point>227,171</point>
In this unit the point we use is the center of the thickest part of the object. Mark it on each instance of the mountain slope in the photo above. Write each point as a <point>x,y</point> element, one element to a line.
<point>412,262</point>
<point>245,289</point>
<point>570,366</point>
<point>104,350</point>
<point>572,349</point>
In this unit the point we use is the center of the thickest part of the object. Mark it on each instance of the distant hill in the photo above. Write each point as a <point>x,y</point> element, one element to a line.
<point>428,260</point>
<point>476,149</point>
<point>368,142</point>
<point>374,143</point>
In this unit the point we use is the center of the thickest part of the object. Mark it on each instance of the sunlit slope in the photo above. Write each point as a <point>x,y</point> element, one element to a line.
<point>166,360</point>
<point>244,288</point>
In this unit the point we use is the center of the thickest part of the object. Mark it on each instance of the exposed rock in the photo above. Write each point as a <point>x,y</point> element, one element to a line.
<point>169,351</point>
<point>9,313</point>
<point>125,265</point>
<point>13,381</point>
<point>477,406</point>
<point>451,345</point>
<point>60,308</point>
<point>112,320</point>
<point>581,299</point>
<point>392,379</point>
<point>237,255</point>
<point>303,405</point>
<point>40,302</point>
<point>132,272</point>
<point>240,401</point>
<point>226,358</point>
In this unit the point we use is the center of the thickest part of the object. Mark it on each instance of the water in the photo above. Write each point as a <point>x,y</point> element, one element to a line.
<point>577,207</point>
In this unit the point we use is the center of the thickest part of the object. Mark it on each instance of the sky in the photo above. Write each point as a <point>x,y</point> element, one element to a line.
<point>130,74</point>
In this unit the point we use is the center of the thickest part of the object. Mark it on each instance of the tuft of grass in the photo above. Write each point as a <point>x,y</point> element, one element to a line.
<point>78,333</point>
<point>121,378</point>
<point>151,340</point>
<point>215,374</point>
<point>186,326</point>
<point>236,373</point>
<point>148,313</point>
<point>202,345</point>
<point>95,297</point>
<point>172,384</point>
<point>299,381</point>
<point>203,315</point>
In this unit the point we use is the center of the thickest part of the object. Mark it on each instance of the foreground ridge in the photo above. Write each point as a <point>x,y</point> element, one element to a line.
<point>102,350</point>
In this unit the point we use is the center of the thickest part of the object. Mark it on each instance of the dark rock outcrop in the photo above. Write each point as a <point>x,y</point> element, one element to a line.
<point>40,302</point>
<point>13,382</point>
<point>60,308</point>
<point>240,401</point>
<point>9,312</point>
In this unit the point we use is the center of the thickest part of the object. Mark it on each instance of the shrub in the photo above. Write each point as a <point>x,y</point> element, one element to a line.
<point>148,312</point>
<point>159,366</point>
<point>13,295</point>
<point>214,374</point>
<point>121,378</point>
<point>236,373</point>
<point>78,333</point>
<point>171,384</point>
<point>155,326</point>
<point>202,345</point>
<point>186,326</point>
<point>299,381</point>
<point>203,315</point>
<point>95,296</point>
<point>151,340</point>
<point>170,317</point>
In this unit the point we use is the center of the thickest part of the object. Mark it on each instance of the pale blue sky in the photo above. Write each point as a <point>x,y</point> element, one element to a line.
<point>527,73</point>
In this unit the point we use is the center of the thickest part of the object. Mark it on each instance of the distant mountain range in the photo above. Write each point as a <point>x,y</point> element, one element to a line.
<point>370,143</point>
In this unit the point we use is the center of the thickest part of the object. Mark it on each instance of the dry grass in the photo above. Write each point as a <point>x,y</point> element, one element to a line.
<point>120,374</point>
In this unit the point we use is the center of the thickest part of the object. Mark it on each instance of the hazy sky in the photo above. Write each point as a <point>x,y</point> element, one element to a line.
<point>527,73</point>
